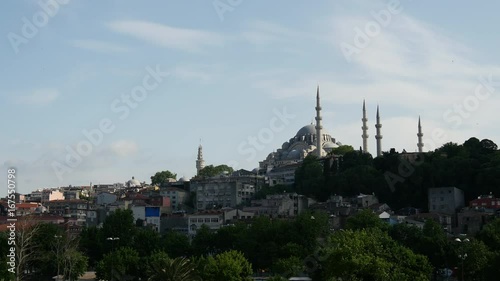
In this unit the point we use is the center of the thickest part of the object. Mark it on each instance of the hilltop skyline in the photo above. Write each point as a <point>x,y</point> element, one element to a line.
<point>229,73</point>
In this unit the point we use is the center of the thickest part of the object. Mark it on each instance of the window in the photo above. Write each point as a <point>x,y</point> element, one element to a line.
<point>207,219</point>
<point>214,220</point>
<point>200,220</point>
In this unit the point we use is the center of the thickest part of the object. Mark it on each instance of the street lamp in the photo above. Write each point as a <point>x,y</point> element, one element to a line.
<point>58,246</point>
<point>112,239</point>
<point>462,255</point>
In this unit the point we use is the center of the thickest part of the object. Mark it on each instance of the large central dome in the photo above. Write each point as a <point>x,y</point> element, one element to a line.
<point>309,130</point>
<point>306,130</point>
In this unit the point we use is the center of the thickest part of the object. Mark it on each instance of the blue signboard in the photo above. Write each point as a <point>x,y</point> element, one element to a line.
<point>152,212</point>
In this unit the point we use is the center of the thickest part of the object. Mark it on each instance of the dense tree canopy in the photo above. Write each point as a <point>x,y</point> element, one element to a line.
<point>162,177</point>
<point>231,266</point>
<point>309,178</point>
<point>342,150</point>
<point>372,255</point>
<point>473,167</point>
<point>212,171</point>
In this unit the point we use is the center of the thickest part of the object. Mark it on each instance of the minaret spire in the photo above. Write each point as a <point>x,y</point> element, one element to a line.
<point>420,144</point>
<point>378,136</point>
<point>319,135</point>
<point>365,130</point>
<point>200,163</point>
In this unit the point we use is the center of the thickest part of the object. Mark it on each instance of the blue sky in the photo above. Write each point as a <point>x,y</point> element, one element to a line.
<point>229,72</point>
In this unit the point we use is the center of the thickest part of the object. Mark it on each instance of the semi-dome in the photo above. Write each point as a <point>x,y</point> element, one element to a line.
<point>293,155</point>
<point>285,145</point>
<point>330,145</point>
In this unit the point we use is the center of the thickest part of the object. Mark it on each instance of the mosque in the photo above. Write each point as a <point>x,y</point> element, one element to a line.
<point>280,166</point>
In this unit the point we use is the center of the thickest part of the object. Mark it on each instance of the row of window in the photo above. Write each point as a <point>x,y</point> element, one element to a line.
<point>493,203</point>
<point>441,207</point>
<point>201,220</point>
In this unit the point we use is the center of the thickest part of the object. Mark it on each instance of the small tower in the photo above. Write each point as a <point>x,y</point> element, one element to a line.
<point>420,144</point>
<point>365,130</point>
<point>200,163</point>
<point>319,135</point>
<point>378,136</point>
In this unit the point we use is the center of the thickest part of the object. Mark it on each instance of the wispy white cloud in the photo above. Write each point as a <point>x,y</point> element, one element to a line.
<point>39,97</point>
<point>263,34</point>
<point>99,46</point>
<point>124,148</point>
<point>410,68</point>
<point>184,39</point>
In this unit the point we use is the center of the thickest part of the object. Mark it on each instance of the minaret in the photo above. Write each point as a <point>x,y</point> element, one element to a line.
<point>378,137</point>
<point>365,130</point>
<point>319,135</point>
<point>200,163</point>
<point>420,144</point>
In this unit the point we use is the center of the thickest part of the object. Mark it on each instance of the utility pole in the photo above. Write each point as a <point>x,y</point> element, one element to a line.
<point>58,246</point>
<point>112,239</point>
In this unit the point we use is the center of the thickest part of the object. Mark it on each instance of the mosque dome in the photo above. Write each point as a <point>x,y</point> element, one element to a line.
<point>310,130</point>
<point>183,179</point>
<point>133,183</point>
<point>306,130</point>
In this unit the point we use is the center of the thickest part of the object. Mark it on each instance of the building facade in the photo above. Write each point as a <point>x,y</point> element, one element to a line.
<point>446,200</point>
<point>223,191</point>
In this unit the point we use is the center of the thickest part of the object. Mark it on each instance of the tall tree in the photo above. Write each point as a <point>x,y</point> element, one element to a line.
<point>366,219</point>
<point>119,224</point>
<point>4,251</point>
<point>176,244</point>
<point>229,266</point>
<point>163,268</point>
<point>309,179</point>
<point>342,149</point>
<point>120,264</point>
<point>371,255</point>
<point>26,229</point>
<point>203,242</point>
<point>146,241</point>
<point>92,243</point>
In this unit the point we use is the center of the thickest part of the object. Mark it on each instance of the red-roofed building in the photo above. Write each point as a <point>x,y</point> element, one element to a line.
<point>23,209</point>
<point>22,221</point>
<point>485,202</point>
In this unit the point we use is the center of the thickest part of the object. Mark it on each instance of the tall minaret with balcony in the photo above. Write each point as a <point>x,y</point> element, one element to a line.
<point>378,136</point>
<point>420,144</point>
<point>365,130</point>
<point>319,135</point>
<point>200,163</point>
